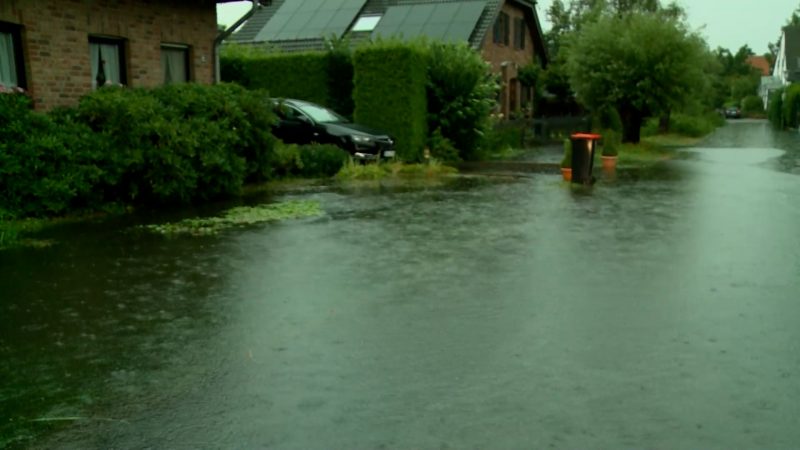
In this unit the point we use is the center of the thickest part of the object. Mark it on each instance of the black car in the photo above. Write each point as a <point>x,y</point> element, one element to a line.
<point>733,113</point>
<point>302,122</point>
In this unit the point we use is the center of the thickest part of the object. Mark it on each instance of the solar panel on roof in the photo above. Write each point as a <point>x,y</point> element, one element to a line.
<point>453,21</point>
<point>310,19</point>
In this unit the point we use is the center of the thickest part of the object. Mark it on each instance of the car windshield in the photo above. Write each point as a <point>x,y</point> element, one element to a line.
<point>320,114</point>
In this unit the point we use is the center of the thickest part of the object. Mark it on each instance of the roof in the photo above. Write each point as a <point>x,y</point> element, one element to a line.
<point>760,63</point>
<point>259,29</point>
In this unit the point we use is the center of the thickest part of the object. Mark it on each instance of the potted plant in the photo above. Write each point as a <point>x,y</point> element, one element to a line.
<point>609,154</point>
<point>566,161</point>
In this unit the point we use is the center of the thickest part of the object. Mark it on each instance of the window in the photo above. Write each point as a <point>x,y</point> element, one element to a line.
<point>520,30</point>
<point>12,66</point>
<point>501,29</point>
<point>366,23</point>
<point>107,61</point>
<point>175,63</point>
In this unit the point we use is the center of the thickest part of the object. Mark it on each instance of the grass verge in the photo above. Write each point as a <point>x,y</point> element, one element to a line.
<point>355,171</point>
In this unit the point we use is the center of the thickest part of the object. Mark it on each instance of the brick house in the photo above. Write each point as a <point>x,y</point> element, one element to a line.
<point>507,33</point>
<point>59,50</point>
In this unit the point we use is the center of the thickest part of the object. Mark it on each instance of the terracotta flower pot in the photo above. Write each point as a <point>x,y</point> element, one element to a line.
<point>566,172</point>
<point>609,162</point>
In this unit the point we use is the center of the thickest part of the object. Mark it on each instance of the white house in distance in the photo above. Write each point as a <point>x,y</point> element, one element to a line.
<point>787,64</point>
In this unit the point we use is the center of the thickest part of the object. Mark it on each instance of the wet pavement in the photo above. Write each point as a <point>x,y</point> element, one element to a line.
<point>657,309</point>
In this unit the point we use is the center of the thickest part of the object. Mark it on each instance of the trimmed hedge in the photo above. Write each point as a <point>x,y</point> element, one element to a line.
<point>791,106</point>
<point>320,77</point>
<point>304,76</point>
<point>390,93</point>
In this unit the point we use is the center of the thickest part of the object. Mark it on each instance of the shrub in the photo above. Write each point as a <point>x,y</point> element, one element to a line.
<point>566,160</point>
<point>611,142</point>
<point>315,160</point>
<point>340,76</point>
<point>775,110</point>
<point>461,94</point>
<point>791,106</point>
<point>320,160</point>
<point>47,166</point>
<point>389,93</point>
<point>753,105</point>
<point>441,148</point>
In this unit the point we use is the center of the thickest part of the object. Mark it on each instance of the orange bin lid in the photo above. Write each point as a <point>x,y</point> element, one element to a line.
<point>587,136</point>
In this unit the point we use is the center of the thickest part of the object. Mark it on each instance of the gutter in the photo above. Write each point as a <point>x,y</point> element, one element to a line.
<point>229,31</point>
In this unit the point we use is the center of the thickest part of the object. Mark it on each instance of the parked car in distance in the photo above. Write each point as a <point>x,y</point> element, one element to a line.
<point>733,113</point>
<point>302,122</point>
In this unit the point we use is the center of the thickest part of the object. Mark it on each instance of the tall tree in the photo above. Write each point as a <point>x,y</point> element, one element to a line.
<point>641,64</point>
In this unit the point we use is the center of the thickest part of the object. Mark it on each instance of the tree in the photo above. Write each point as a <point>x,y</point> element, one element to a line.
<point>641,64</point>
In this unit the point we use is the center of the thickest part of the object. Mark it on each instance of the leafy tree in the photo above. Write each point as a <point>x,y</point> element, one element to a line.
<point>641,64</point>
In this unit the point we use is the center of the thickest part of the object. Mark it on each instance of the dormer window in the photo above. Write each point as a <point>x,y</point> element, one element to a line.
<point>366,23</point>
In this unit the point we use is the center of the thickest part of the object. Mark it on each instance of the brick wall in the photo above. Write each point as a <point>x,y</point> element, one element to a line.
<point>506,60</point>
<point>55,38</point>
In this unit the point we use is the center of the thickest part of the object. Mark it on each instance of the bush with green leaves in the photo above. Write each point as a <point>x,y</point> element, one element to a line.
<point>48,165</point>
<point>752,105</point>
<point>180,143</point>
<point>461,92</point>
<point>775,109</point>
<point>566,159</point>
<point>168,145</point>
<point>389,93</point>
<point>791,106</point>
<point>314,160</point>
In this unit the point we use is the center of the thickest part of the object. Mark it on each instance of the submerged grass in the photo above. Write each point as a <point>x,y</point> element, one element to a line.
<point>379,171</point>
<point>14,233</point>
<point>239,216</point>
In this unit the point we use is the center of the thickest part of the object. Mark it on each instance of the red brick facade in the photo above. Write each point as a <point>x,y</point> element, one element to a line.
<point>55,41</point>
<point>506,60</point>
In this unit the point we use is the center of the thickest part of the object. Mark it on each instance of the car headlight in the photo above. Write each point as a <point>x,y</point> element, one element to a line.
<point>359,139</point>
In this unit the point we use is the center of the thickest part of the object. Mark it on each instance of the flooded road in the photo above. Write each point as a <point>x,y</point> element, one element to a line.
<point>654,310</point>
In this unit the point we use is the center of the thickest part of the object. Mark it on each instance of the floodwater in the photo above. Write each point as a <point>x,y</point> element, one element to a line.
<point>656,309</point>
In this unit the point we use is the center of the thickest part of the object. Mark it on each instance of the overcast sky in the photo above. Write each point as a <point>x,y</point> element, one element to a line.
<point>727,23</point>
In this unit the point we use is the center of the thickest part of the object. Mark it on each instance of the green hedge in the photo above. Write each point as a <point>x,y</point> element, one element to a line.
<point>791,106</point>
<point>390,93</point>
<point>320,77</point>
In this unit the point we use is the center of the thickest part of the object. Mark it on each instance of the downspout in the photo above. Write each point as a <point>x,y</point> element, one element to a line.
<point>229,31</point>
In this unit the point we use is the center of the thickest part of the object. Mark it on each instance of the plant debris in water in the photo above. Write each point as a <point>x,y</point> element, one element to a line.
<point>243,215</point>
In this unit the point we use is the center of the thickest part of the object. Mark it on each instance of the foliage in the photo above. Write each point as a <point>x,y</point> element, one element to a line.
<point>189,141</point>
<point>752,105</point>
<point>340,76</point>
<point>641,64</point>
<point>791,106</point>
<point>566,160</point>
<point>172,144</point>
<point>320,77</point>
<point>314,160</point>
<point>390,93</point>
<point>441,148</point>
<point>47,164</point>
<point>302,76</point>
<point>353,171</point>
<point>775,111</point>
<point>461,93</point>
<point>240,216</point>
<point>611,142</point>
<point>691,125</point>
<point>607,118</point>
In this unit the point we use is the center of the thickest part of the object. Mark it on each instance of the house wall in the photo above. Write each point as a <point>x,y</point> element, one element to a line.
<point>55,42</point>
<point>506,60</point>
